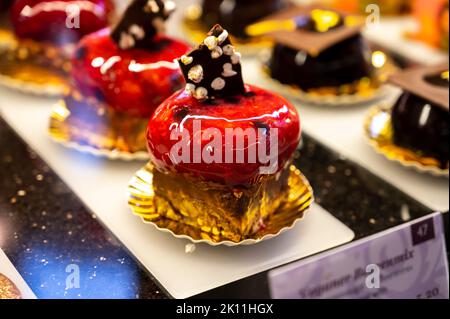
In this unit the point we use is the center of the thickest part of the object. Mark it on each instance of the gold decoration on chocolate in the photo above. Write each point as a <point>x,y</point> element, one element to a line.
<point>289,34</point>
<point>324,20</point>
<point>363,91</point>
<point>379,131</point>
<point>99,131</point>
<point>8,289</point>
<point>153,210</point>
<point>20,69</point>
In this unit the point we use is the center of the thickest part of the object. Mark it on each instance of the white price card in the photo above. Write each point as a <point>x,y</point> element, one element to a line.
<point>409,261</point>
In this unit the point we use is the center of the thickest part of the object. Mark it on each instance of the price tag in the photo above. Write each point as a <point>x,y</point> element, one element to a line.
<point>406,262</point>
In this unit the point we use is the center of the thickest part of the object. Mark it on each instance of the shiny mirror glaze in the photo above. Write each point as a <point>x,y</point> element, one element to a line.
<point>422,126</point>
<point>344,63</point>
<point>236,15</point>
<point>46,20</point>
<point>256,108</point>
<point>132,81</point>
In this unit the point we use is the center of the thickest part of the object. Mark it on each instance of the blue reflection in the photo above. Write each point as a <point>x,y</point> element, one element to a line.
<point>52,276</point>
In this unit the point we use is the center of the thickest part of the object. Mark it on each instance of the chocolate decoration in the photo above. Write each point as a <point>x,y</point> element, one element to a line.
<point>213,70</point>
<point>415,81</point>
<point>437,80</point>
<point>141,22</point>
<point>307,37</point>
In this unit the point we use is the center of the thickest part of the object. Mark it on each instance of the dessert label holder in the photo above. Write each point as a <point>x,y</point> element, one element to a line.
<point>408,261</point>
<point>12,285</point>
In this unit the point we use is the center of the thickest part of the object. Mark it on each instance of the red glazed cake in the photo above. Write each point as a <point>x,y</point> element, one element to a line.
<point>221,150</point>
<point>44,34</point>
<point>120,76</point>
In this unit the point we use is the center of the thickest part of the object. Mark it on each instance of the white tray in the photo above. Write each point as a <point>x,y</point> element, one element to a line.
<point>101,184</point>
<point>8,270</point>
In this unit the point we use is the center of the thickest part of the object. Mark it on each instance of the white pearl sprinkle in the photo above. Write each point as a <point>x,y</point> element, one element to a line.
<point>186,60</point>
<point>218,84</point>
<point>228,70</point>
<point>201,93</point>
<point>126,41</point>
<point>223,36</point>
<point>236,58</point>
<point>137,31</point>
<point>190,88</point>
<point>211,42</point>
<point>153,6</point>
<point>196,74</point>
<point>216,53</point>
<point>228,49</point>
<point>190,248</point>
<point>169,7</point>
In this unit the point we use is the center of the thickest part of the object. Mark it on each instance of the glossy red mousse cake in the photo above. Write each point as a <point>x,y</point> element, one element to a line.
<point>44,34</point>
<point>120,76</point>
<point>206,143</point>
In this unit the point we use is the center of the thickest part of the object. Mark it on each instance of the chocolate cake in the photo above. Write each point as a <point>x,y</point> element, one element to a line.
<point>321,51</point>
<point>420,117</point>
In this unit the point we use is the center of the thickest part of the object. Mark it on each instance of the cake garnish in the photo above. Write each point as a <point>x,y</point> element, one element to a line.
<point>310,29</point>
<point>213,69</point>
<point>141,22</point>
<point>429,83</point>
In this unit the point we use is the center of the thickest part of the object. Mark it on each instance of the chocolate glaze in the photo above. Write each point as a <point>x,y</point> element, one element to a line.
<point>437,80</point>
<point>236,15</point>
<point>413,130</point>
<point>343,63</point>
<point>4,4</point>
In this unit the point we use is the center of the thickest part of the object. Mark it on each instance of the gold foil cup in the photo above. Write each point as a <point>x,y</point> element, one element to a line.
<point>20,70</point>
<point>8,289</point>
<point>100,132</point>
<point>145,204</point>
<point>196,30</point>
<point>364,91</point>
<point>379,132</point>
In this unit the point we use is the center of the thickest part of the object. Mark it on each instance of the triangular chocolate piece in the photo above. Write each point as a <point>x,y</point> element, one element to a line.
<point>332,27</point>
<point>141,22</point>
<point>430,83</point>
<point>213,69</point>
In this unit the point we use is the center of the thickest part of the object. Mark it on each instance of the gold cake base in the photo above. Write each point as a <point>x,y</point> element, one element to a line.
<point>142,201</point>
<point>19,72</point>
<point>7,289</point>
<point>104,134</point>
<point>378,130</point>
